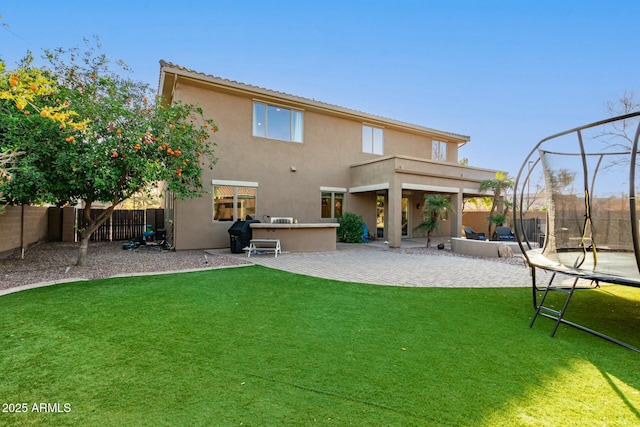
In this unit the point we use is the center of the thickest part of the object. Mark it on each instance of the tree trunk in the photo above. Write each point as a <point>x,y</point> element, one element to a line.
<point>92,224</point>
<point>495,208</point>
<point>82,252</point>
<point>491,219</point>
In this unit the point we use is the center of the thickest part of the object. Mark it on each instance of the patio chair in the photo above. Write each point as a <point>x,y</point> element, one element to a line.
<point>503,234</point>
<point>366,237</point>
<point>472,235</point>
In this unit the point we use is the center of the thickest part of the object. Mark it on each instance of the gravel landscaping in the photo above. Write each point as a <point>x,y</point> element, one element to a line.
<point>55,261</point>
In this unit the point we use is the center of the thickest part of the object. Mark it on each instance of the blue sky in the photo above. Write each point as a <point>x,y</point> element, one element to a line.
<point>505,73</point>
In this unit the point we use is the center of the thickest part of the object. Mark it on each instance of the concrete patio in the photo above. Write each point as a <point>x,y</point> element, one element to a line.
<point>410,266</point>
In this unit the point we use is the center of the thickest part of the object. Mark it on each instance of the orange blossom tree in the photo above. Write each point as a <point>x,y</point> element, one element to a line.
<point>130,141</point>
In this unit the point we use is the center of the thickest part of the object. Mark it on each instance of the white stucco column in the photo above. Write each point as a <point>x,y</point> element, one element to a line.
<point>394,222</point>
<point>456,215</point>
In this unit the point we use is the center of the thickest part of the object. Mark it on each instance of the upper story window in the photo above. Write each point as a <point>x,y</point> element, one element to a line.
<point>372,140</point>
<point>439,151</point>
<point>275,122</point>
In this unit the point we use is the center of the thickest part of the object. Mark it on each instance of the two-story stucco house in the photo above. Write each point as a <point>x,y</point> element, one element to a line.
<point>282,155</point>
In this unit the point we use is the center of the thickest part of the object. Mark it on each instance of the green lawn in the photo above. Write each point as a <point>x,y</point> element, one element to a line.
<point>254,346</point>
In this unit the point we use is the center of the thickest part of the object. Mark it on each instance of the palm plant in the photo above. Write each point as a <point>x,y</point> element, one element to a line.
<point>499,207</point>
<point>435,205</point>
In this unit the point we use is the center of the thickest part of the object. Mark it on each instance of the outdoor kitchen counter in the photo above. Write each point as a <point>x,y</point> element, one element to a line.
<point>310,237</point>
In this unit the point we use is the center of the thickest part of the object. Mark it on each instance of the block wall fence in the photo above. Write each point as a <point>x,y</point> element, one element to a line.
<point>22,226</point>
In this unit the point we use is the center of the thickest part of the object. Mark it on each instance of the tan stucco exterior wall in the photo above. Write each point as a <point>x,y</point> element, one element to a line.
<point>332,144</point>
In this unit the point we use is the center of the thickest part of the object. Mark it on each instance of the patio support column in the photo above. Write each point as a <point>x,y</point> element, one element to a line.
<point>394,235</point>
<point>456,215</point>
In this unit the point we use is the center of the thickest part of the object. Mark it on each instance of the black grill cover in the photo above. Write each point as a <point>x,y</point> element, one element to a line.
<point>240,235</point>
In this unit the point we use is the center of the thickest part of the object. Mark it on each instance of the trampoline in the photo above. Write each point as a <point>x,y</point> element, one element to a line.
<point>587,180</point>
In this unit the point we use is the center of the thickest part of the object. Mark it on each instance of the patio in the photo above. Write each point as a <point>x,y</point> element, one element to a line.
<point>413,265</point>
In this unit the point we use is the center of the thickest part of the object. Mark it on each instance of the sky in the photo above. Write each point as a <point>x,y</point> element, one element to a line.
<point>505,73</point>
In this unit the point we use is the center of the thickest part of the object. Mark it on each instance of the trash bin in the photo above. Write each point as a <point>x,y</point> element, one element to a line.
<point>240,235</point>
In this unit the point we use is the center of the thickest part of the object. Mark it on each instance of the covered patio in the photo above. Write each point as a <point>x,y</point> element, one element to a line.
<point>410,178</point>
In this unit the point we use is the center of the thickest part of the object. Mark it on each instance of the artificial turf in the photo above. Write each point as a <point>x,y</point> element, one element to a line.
<point>255,346</point>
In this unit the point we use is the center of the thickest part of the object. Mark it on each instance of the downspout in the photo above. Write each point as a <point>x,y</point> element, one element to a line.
<point>170,221</point>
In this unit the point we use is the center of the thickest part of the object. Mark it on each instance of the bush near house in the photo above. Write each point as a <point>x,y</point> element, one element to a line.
<point>350,230</point>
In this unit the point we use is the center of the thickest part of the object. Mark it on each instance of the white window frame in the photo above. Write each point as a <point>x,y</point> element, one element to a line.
<point>296,116</point>
<point>369,134</point>
<point>439,150</point>
<point>235,185</point>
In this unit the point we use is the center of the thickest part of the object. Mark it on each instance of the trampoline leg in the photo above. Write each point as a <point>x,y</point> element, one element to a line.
<point>558,315</point>
<point>569,293</point>
<point>544,296</point>
<point>550,313</point>
<point>534,287</point>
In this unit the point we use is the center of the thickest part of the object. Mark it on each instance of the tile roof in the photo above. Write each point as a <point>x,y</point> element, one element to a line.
<point>178,69</point>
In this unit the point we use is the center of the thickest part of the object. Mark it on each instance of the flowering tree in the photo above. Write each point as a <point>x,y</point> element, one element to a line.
<point>22,91</point>
<point>127,142</point>
<point>29,89</point>
<point>5,176</point>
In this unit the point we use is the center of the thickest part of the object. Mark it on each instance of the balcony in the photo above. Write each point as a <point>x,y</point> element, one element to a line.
<point>413,173</point>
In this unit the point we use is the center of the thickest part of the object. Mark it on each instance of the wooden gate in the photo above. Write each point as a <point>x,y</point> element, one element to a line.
<point>123,224</point>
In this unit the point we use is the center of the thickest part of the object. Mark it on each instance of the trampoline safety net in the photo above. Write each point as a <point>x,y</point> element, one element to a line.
<point>587,180</point>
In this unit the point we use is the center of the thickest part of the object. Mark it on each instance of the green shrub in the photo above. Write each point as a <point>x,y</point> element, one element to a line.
<point>350,230</point>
